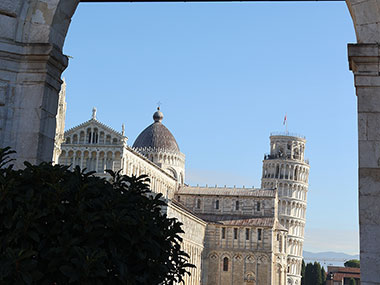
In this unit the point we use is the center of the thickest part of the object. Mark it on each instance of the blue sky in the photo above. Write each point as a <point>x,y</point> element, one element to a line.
<point>226,74</point>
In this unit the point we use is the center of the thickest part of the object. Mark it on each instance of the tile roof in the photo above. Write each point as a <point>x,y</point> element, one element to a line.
<point>340,269</point>
<point>280,227</point>
<point>339,273</point>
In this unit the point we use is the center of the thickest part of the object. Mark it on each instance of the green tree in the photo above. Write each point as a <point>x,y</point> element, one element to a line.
<point>69,227</point>
<point>317,277</point>
<point>352,263</point>
<point>352,281</point>
<point>323,275</point>
<point>303,272</point>
<point>314,274</point>
<point>309,274</point>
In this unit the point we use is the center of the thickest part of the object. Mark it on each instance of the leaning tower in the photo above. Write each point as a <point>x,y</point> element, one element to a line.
<point>286,169</point>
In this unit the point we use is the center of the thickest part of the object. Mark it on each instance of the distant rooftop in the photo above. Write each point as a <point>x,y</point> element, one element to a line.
<point>216,191</point>
<point>236,220</point>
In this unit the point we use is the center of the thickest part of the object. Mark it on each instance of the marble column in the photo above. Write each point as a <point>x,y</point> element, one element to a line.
<point>29,87</point>
<point>364,62</point>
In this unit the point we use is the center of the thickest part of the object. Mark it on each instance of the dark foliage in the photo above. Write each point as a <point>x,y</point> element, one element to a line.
<point>313,274</point>
<point>303,273</point>
<point>352,281</point>
<point>69,227</point>
<point>309,274</point>
<point>352,263</point>
<point>323,275</point>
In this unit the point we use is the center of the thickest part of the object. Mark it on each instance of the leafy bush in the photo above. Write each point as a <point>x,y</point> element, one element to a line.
<point>59,226</point>
<point>352,263</point>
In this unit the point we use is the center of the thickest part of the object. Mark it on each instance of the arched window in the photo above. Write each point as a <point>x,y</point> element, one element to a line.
<point>258,206</point>
<point>101,139</point>
<point>259,234</point>
<point>296,153</point>
<point>235,233</point>
<point>95,136</point>
<point>217,204</point>
<point>237,205</point>
<point>81,137</point>
<point>198,203</point>
<point>225,264</point>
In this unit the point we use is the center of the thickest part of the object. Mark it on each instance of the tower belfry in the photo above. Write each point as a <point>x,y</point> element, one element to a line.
<point>286,167</point>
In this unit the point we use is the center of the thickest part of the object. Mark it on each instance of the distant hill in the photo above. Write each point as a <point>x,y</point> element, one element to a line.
<point>328,257</point>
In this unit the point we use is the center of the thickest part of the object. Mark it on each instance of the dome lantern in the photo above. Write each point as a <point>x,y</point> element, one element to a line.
<point>158,116</point>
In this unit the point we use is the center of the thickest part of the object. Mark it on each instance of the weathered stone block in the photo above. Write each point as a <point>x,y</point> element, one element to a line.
<point>369,267</point>
<point>363,50</point>
<point>10,7</point>
<point>368,99</point>
<point>369,154</point>
<point>371,245</point>
<point>373,123</point>
<point>8,27</point>
<point>362,126</point>
<point>367,81</point>
<point>366,12</point>
<point>39,33</point>
<point>369,181</point>
<point>368,33</point>
<point>370,213</point>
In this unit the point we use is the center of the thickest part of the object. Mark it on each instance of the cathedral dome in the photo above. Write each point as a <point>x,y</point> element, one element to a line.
<point>157,136</point>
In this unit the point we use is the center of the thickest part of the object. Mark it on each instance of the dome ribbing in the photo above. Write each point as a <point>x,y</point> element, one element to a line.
<point>157,136</point>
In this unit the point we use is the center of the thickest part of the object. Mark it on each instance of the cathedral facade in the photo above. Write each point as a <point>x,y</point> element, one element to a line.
<point>233,235</point>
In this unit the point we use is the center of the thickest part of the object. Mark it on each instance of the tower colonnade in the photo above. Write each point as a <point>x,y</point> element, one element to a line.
<point>289,170</point>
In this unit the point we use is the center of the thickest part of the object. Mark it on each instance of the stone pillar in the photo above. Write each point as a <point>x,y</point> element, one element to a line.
<point>364,62</point>
<point>29,86</point>
<point>97,162</point>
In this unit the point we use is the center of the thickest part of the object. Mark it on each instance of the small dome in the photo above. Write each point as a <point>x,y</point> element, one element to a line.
<point>157,136</point>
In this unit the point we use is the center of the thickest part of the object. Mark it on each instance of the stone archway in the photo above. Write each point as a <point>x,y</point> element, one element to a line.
<point>32,35</point>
